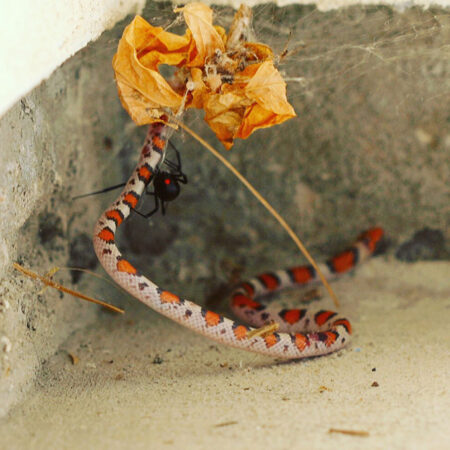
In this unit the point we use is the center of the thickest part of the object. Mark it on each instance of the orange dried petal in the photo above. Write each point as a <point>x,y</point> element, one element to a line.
<point>224,126</point>
<point>257,99</point>
<point>234,107</point>
<point>138,84</point>
<point>256,117</point>
<point>260,52</point>
<point>198,18</point>
<point>223,113</point>
<point>240,28</point>
<point>155,46</point>
<point>139,107</point>
<point>268,89</point>
<point>200,90</point>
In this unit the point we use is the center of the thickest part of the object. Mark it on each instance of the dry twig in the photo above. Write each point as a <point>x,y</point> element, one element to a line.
<point>61,288</point>
<point>349,432</point>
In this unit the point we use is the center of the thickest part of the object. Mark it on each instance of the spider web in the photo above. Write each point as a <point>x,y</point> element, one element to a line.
<point>370,85</point>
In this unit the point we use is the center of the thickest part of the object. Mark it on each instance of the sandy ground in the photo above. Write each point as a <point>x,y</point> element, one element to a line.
<point>144,382</point>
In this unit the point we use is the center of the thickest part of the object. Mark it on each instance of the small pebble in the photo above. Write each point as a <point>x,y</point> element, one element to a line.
<point>6,344</point>
<point>426,244</point>
<point>107,143</point>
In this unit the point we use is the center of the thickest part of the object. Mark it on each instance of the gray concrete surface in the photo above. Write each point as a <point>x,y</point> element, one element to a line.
<point>144,382</point>
<point>371,145</point>
<point>50,150</point>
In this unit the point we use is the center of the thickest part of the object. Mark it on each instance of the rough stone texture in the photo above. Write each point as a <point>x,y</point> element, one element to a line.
<point>52,143</point>
<point>142,381</point>
<point>370,145</point>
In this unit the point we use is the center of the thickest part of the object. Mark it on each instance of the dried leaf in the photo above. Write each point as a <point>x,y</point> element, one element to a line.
<point>198,18</point>
<point>241,28</point>
<point>74,358</point>
<point>268,89</point>
<point>142,89</point>
<point>234,81</point>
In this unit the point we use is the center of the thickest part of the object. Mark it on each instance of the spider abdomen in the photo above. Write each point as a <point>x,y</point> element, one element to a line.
<point>166,186</point>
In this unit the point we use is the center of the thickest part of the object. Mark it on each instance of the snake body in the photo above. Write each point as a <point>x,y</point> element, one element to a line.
<point>301,333</point>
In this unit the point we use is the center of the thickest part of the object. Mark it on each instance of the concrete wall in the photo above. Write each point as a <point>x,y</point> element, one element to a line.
<point>52,143</point>
<point>371,145</point>
<point>39,36</point>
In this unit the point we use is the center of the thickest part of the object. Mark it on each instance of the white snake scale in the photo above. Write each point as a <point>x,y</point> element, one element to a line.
<point>302,333</point>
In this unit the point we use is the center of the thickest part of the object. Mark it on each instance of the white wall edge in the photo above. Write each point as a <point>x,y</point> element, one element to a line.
<point>38,36</point>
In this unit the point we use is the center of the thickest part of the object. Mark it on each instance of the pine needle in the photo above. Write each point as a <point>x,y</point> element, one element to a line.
<point>264,330</point>
<point>265,203</point>
<point>349,432</point>
<point>94,274</point>
<point>61,288</point>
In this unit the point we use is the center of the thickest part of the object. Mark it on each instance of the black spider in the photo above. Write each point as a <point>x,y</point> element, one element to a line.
<point>166,185</point>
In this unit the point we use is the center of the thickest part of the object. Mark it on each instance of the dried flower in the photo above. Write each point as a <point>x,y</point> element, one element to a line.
<point>233,80</point>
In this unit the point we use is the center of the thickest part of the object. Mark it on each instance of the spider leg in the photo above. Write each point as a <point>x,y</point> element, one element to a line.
<point>163,207</point>
<point>178,159</point>
<point>182,178</point>
<point>172,165</point>
<point>177,167</point>
<point>101,191</point>
<point>177,152</point>
<point>153,211</point>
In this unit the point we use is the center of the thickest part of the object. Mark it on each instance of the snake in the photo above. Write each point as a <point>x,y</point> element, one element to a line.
<point>300,333</point>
